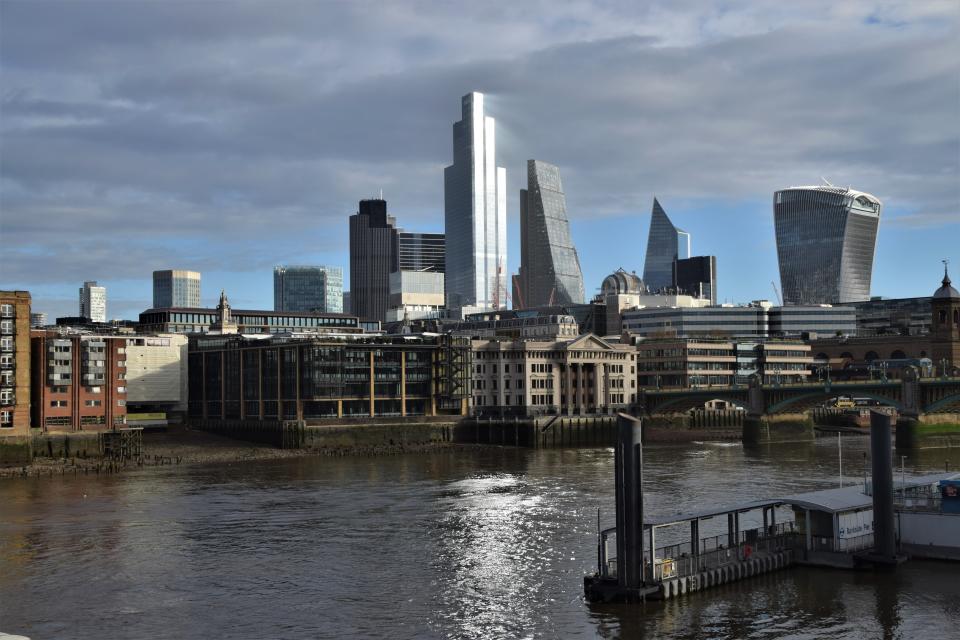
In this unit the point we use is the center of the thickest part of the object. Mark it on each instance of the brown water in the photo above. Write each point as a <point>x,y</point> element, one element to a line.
<point>486,543</point>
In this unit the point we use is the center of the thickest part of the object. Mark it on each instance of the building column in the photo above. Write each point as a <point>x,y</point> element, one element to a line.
<point>203,387</point>
<point>372,387</point>
<point>223,385</point>
<point>299,350</point>
<point>569,385</point>
<point>260,381</point>
<point>339,407</point>
<point>403,383</point>
<point>243,399</point>
<point>600,390</point>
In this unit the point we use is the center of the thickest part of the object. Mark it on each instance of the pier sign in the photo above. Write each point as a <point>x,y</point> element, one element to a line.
<point>855,523</point>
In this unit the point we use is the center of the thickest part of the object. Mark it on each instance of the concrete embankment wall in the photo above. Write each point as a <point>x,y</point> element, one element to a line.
<point>930,430</point>
<point>22,450</point>
<point>15,450</point>
<point>569,431</point>
<point>337,435</point>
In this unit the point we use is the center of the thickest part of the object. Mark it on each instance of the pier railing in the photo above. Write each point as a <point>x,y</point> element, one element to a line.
<point>676,561</point>
<point>679,560</point>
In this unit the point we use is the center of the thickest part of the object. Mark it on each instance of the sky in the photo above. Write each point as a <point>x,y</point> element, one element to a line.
<point>228,137</point>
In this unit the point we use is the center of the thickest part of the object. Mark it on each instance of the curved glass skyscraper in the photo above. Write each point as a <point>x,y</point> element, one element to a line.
<point>826,238</point>
<point>475,213</point>
<point>665,244</point>
<point>549,267</point>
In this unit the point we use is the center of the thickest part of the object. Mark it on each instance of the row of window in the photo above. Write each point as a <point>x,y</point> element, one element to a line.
<point>86,403</point>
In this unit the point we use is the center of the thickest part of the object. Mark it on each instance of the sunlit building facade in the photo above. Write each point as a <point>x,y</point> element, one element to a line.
<point>826,237</point>
<point>475,208</point>
<point>549,267</point>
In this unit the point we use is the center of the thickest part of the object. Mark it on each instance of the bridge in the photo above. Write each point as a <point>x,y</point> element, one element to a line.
<point>912,397</point>
<point>925,395</point>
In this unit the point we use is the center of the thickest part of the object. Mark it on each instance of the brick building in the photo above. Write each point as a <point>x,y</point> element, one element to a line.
<point>78,381</point>
<point>14,364</point>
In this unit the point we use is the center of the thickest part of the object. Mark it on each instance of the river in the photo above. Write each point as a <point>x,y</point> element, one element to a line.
<point>459,543</point>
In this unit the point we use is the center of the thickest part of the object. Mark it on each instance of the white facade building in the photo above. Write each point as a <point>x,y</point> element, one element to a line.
<point>580,376</point>
<point>93,301</point>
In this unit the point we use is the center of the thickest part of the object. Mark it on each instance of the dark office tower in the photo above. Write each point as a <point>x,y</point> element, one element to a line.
<point>696,276</point>
<point>373,256</point>
<point>665,244</point>
<point>475,213</point>
<point>421,251</point>
<point>549,268</point>
<point>826,238</point>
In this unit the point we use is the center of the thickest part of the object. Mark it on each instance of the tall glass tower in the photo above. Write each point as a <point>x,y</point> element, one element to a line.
<point>308,288</point>
<point>549,267</point>
<point>826,237</point>
<point>665,243</point>
<point>475,206</point>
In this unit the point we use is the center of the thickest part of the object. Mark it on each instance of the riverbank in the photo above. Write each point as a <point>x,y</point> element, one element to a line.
<point>185,446</point>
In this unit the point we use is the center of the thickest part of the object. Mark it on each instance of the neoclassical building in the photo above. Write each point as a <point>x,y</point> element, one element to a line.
<point>580,376</point>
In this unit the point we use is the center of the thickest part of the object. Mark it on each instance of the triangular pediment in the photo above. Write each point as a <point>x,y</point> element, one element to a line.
<point>588,341</point>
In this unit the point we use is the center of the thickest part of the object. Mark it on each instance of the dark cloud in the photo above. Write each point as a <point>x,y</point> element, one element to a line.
<point>253,128</point>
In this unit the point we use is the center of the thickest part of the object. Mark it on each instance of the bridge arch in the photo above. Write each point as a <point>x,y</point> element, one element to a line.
<point>695,401</point>
<point>946,401</point>
<point>826,395</point>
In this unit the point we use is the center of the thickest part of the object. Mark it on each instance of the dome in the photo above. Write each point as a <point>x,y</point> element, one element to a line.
<point>946,291</point>
<point>621,282</point>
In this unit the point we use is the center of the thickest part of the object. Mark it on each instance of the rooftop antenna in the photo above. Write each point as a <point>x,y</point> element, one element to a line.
<point>827,182</point>
<point>381,193</point>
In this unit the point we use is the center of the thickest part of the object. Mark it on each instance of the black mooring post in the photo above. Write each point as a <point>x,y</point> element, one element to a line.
<point>884,541</point>
<point>628,462</point>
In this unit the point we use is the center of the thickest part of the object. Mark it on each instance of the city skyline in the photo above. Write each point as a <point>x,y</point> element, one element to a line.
<point>165,165</point>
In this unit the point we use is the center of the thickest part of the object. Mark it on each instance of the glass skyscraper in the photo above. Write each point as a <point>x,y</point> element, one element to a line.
<point>665,243</point>
<point>826,237</point>
<point>176,288</point>
<point>475,208</point>
<point>549,267</point>
<point>308,288</point>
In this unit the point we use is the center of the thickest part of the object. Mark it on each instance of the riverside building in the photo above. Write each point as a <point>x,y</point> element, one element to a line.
<point>475,213</point>
<point>303,377</point>
<point>704,362</point>
<point>826,238</point>
<point>14,365</point>
<point>549,267</point>
<point>575,376</point>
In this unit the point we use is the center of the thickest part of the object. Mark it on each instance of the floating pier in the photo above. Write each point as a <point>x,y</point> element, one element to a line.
<point>859,526</point>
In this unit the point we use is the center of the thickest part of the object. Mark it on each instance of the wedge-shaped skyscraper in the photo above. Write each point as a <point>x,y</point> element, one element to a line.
<point>475,206</point>
<point>549,267</point>
<point>826,237</point>
<point>665,244</point>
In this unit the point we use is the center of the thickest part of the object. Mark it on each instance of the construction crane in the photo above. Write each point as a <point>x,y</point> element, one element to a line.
<point>776,293</point>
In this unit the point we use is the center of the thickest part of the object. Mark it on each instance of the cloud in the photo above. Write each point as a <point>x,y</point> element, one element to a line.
<point>231,136</point>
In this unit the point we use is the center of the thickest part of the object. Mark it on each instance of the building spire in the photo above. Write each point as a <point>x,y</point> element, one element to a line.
<point>946,276</point>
